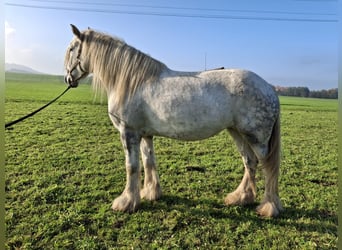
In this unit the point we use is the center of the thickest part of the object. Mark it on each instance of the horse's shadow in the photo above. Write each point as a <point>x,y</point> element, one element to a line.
<point>305,220</point>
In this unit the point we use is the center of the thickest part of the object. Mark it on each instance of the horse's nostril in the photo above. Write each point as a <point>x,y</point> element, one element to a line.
<point>68,79</point>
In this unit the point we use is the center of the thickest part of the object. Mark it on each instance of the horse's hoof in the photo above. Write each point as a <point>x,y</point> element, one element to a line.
<point>125,203</point>
<point>269,209</point>
<point>151,193</point>
<point>239,198</point>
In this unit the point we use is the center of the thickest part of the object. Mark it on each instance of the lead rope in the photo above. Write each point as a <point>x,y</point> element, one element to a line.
<point>9,124</point>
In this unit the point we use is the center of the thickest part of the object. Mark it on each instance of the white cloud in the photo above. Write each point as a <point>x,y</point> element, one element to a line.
<point>9,35</point>
<point>9,30</point>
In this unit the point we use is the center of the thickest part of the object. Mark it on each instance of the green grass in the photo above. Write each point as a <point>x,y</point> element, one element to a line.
<point>65,165</point>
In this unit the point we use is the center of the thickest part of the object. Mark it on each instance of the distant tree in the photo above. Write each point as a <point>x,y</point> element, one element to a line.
<point>305,92</point>
<point>301,91</point>
<point>328,94</point>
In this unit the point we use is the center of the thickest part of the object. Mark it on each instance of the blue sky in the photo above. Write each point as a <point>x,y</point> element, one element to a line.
<point>288,43</point>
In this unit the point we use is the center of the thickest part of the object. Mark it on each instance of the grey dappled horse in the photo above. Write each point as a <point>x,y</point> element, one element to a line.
<point>146,99</point>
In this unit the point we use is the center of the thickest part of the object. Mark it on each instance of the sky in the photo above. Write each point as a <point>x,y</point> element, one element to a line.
<point>288,42</point>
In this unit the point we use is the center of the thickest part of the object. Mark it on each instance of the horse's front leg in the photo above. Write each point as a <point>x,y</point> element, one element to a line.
<point>129,200</point>
<point>151,190</point>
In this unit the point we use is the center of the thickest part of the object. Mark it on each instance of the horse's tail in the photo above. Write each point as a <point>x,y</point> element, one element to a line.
<point>272,160</point>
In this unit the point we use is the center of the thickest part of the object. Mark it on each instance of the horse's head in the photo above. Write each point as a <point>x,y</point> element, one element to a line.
<point>75,64</point>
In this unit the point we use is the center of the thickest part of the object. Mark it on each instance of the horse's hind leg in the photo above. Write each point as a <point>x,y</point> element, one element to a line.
<point>270,160</point>
<point>246,191</point>
<point>270,206</point>
<point>151,190</point>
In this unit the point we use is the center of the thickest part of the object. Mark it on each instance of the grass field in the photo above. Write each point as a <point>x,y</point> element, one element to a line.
<point>65,165</point>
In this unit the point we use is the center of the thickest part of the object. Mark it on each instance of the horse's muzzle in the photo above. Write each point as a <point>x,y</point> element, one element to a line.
<point>68,79</point>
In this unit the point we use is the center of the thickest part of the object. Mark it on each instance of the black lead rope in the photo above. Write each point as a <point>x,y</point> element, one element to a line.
<point>7,125</point>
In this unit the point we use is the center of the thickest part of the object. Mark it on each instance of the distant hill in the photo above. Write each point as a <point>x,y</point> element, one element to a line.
<point>30,77</point>
<point>17,68</point>
<point>34,77</point>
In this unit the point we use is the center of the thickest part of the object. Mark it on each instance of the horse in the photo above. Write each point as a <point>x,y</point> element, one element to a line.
<point>147,99</point>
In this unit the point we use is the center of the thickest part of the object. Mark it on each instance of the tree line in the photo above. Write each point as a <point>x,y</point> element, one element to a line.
<point>306,92</point>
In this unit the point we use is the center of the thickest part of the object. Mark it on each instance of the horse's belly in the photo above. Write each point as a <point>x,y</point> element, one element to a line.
<point>188,133</point>
<point>190,121</point>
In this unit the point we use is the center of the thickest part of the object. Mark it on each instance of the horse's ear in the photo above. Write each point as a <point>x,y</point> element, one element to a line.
<point>76,31</point>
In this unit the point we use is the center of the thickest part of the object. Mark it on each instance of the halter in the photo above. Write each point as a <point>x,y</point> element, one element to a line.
<point>78,63</point>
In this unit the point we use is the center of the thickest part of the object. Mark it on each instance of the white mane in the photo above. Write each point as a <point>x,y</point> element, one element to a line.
<point>118,66</point>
